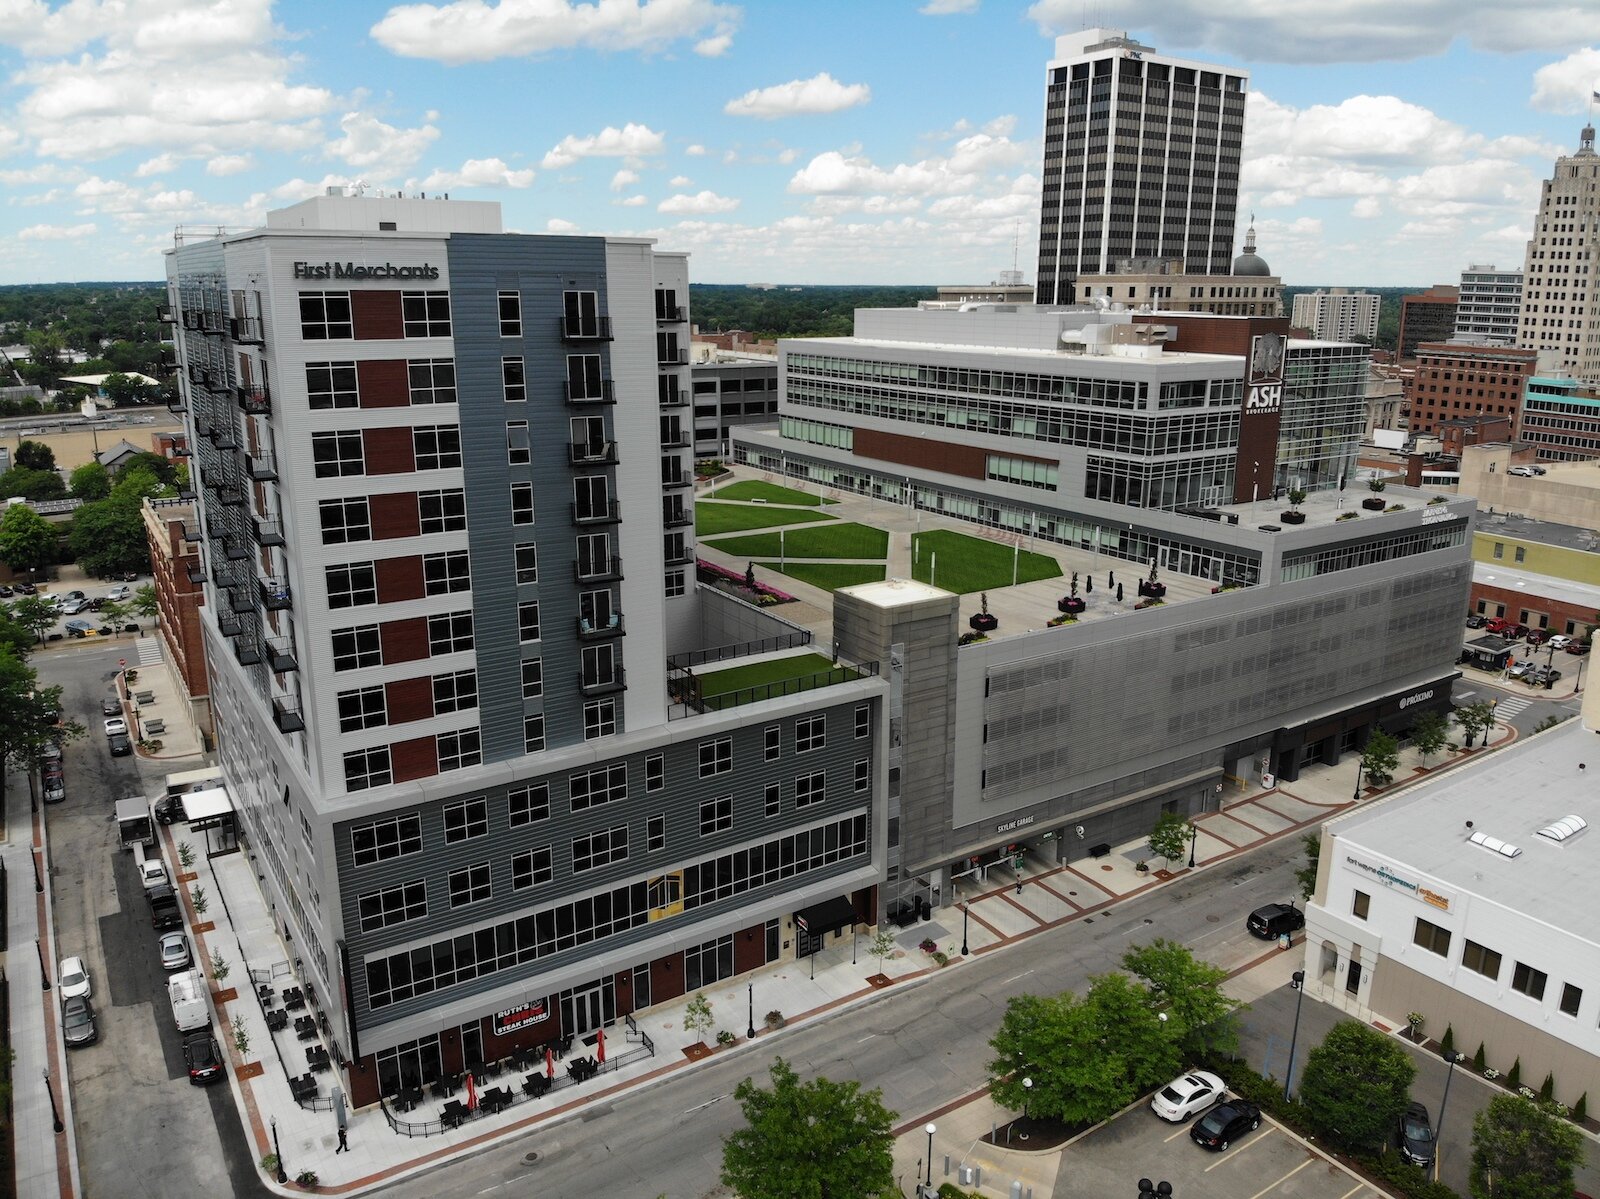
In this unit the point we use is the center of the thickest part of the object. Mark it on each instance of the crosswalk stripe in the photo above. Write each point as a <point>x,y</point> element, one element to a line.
<point>149,650</point>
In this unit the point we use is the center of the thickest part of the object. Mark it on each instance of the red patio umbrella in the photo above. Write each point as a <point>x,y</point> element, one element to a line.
<point>600,1045</point>
<point>472,1092</point>
<point>549,1062</point>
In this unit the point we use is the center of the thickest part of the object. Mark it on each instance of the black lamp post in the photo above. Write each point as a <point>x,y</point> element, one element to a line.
<point>1360,762</point>
<point>930,1130</point>
<point>752,995</point>
<point>277,1152</point>
<point>1300,988</point>
<point>963,930</point>
<point>1452,1058</point>
<point>38,883</point>
<point>1194,836</point>
<point>44,975</point>
<point>55,1112</point>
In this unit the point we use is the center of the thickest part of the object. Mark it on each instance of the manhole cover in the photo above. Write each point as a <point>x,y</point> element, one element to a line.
<point>529,1159</point>
<point>1088,920</point>
<point>1147,920</point>
<point>1212,919</point>
<point>1071,892</point>
<point>1107,869</point>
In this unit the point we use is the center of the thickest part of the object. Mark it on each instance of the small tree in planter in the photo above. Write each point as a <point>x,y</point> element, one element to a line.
<point>983,622</point>
<point>1381,758</point>
<point>220,968</point>
<point>241,1036</point>
<point>697,1017</point>
<point>1374,502</point>
<point>1071,604</point>
<point>198,897</point>
<point>1294,516</point>
<point>185,854</point>
<point>1170,837</point>
<point>1149,587</point>
<point>1429,732</point>
<point>882,946</point>
<point>1416,1020</point>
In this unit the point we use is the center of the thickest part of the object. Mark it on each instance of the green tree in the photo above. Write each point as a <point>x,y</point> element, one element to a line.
<point>90,482</point>
<point>108,537</point>
<point>1189,992</point>
<point>1306,876</point>
<point>146,604</point>
<point>1170,837</point>
<point>29,713</point>
<point>697,1017</point>
<point>114,614</point>
<point>162,469</point>
<point>1355,1085</point>
<point>1522,1151</point>
<point>1429,732</point>
<point>125,392</point>
<point>34,615</point>
<point>1474,719</point>
<point>31,484</point>
<point>1380,758</point>
<point>35,455</point>
<point>27,540</point>
<point>816,1140</point>
<point>135,484</point>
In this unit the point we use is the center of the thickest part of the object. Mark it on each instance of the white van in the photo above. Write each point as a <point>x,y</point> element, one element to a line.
<point>191,1007</point>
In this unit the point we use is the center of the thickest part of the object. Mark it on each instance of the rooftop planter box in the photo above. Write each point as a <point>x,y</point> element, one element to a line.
<point>1292,518</point>
<point>983,622</point>
<point>1374,503</point>
<point>1072,605</point>
<point>1152,590</point>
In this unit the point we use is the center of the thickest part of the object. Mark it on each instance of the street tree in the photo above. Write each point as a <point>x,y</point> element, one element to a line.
<point>31,484</point>
<point>90,482</point>
<point>27,540</point>
<point>1429,732</point>
<point>1306,876</point>
<point>881,947</point>
<point>1189,991</point>
<point>34,615</point>
<point>35,455</point>
<point>1355,1085</point>
<point>108,537</point>
<point>30,715</point>
<point>1474,719</point>
<point>1380,758</point>
<point>146,604</point>
<point>697,1017</point>
<point>1170,837</point>
<point>1521,1150</point>
<point>114,614</point>
<point>816,1140</point>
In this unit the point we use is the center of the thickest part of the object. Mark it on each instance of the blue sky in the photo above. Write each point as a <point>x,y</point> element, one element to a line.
<point>873,141</point>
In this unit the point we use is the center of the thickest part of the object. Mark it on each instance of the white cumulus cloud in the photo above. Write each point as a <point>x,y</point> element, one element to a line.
<point>631,141</point>
<point>478,172</point>
<point>624,178</point>
<point>696,151</point>
<point>369,142</point>
<point>1566,86</point>
<point>679,181</point>
<point>633,202</point>
<point>961,170</point>
<point>702,203</point>
<point>819,94</point>
<point>556,225</point>
<point>945,8</point>
<point>159,165</point>
<point>56,232</point>
<point>714,47</point>
<point>229,164</point>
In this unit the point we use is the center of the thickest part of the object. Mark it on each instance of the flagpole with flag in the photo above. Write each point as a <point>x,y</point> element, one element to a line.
<point>600,1045</point>
<point>472,1092</point>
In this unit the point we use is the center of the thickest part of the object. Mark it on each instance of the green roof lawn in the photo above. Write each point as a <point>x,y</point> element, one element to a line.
<point>711,519</point>
<point>772,493</point>
<point>830,576</point>
<point>720,688</point>
<point>824,541</point>
<point>968,564</point>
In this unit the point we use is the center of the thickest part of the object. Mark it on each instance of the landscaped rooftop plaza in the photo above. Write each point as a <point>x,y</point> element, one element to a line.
<point>765,676</point>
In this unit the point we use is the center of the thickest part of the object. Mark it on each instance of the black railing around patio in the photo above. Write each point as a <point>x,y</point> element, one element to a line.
<point>686,693</point>
<point>743,649</point>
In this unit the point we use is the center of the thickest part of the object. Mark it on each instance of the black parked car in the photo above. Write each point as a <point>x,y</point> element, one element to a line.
<point>203,1056</point>
<point>121,747</point>
<point>169,810</point>
<point>1224,1124</point>
<point>1271,921</point>
<point>77,1021</point>
<point>1476,620</point>
<point>1415,1136</point>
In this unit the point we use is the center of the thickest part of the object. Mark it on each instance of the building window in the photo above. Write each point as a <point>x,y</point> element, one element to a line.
<point>527,564</point>
<point>716,757</point>
<point>655,772</point>
<point>442,511</point>
<point>528,805</point>
<point>809,789</point>
<point>325,316</point>
<point>675,584</point>
<point>531,868</point>
<point>708,963</point>
<point>522,503</point>
<point>533,734</point>
<point>600,849</point>
<point>345,521</point>
<point>449,633</point>
<point>383,840</point>
<point>362,709</point>
<point>364,768</point>
<point>514,381</point>
<point>459,750</point>
<point>1521,554</point>
<point>457,692</point>
<point>469,885</point>
<point>352,585</point>
<point>581,310</point>
<point>592,788</point>
<point>528,621</point>
<point>774,799</point>
<point>583,377</point>
<point>771,742</point>
<point>716,815</point>
<point>533,678</point>
<point>336,454</point>
<point>655,833</point>
<point>510,314</point>
<point>810,732</point>
<point>331,385</point>
<point>436,447</point>
<point>432,380</point>
<point>1529,981</point>
<point>517,445</point>
<point>1499,549</point>
<point>393,905</point>
<point>1571,999</point>
<point>1480,959</point>
<point>425,313</point>
<point>1359,904</point>
<point>863,774</point>
<point>356,648</point>
<point>863,720</point>
<point>1432,938</point>
<point>448,572</point>
<point>599,718</point>
<point>466,820</point>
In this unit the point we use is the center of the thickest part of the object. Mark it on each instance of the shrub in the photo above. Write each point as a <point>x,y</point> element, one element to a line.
<point>1580,1109</point>
<point>198,895</point>
<point>185,854</point>
<point>1447,1044</point>
<point>775,1019</point>
<point>940,958</point>
<point>1547,1089</point>
<point>269,1163</point>
<point>927,945</point>
<point>724,1037</point>
<point>1348,516</point>
<point>1514,1079</point>
<point>1478,1060</point>
<point>306,1178</point>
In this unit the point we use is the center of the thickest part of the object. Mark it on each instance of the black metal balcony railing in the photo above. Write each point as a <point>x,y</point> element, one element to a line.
<point>680,556</point>
<point>673,356</point>
<point>216,382</point>
<point>255,400</point>
<point>612,627</point>
<point>676,438</point>
<point>235,550</point>
<point>230,497</point>
<point>191,319</point>
<point>586,328</point>
<point>597,514</point>
<point>224,436</point>
<point>677,518</point>
<point>246,330</point>
<point>675,397</point>
<point>212,323</point>
<point>240,600</point>
<point>280,655</point>
<point>672,315</point>
<point>247,650</point>
<point>196,570</point>
<point>165,315</point>
<point>176,405</point>
<point>592,453</point>
<point>191,532</point>
<point>286,715</point>
<point>601,570</point>
<point>266,532</point>
<point>603,683</point>
<point>682,479</point>
<point>275,594</point>
<point>186,492</point>
<point>197,373</point>
<point>229,626</point>
<point>580,394</point>
<point>263,468</point>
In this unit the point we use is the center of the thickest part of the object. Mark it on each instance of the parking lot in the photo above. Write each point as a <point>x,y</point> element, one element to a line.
<point>1270,1163</point>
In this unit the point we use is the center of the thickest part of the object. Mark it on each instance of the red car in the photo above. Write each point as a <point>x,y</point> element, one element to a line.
<point>1538,636</point>
<point>1500,624</point>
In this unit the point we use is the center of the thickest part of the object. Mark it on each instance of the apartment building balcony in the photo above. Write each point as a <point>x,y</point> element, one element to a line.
<point>275,593</point>
<point>247,650</point>
<point>672,316</point>
<point>673,357</point>
<point>216,382</point>
<point>246,330</point>
<point>195,568</point>
<point>675,397</point>
<point>235,550</point>
<point>212,323</point>
<point>682,556</point>
<point>229,625</point>
<point>280,655</point>
<point>266,532</point>
<point>198,374</point>
<point>771,675</point>
<point>677,439</point>
<point>580,396</point>
<point>592,453</point>
<point>165,315</point>
<point>286,715</point>
<point>224,436</point>
<point>191,319</point>
<point>230,497</point>
<point>257,401</point>
<point>603,683</point>
<point>615,627</point>
<point>177,405</point>
<point>677,517</point>
<point>240,601</point>
<point>682,478</point>
<point>601,570</point>
<point>263,468</point>
<point>596,514</point>
<point>585,328</point>
<point>192,533</point>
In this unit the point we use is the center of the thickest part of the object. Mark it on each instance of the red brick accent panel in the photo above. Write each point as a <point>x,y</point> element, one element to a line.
<point>383,383</point>
<point>413,759</point>
<point>749,949</point>
<point>388,451</point>
<point>925,453</point>
<point>377,315</point>
<point>404,640</point>
<point>1199,333</point>
<point>394,515</point>
<point>666,978</point>
<point>409,699</point>
<point>399,579</point>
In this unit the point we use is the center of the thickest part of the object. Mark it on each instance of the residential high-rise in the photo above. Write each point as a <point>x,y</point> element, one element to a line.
<point>1560,302</point>
<point>1490,303</point>
<point>1338,314</point>
<point>464,681</point>
<point>1141,160</point>
<point>1427,316</point>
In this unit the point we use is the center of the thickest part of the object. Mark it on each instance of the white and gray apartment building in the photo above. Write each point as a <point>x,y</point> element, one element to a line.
<point>1141,160</point>
<point>445,502</point>
<point>1470,899</point>
<point>1489,306</point>
<point>730,391</point>
<point>1337,314</point>
<point>1101,436</point>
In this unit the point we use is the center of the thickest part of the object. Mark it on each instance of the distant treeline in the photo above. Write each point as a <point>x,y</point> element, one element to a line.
<point>793,311</point>
<point>1388,310</point>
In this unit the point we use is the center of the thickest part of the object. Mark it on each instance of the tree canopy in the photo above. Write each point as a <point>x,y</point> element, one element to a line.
<point>1170,837</point>
<point>1355,1085</point>
<point>1522,1151</point>
<point>809,1140</point>
<point>29,713</point>
<point>35,455</point>
<point>31,484</point>
<point>1381,758</point>
<point>1189,991</point>
<point>27,540</point>
<point>90,482</point>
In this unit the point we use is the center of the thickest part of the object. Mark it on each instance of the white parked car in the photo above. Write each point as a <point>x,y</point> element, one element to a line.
<point>120,594</point>
<point>1559,641</point>
<point>1186,1096</point>
<point>116,727</point>
<point>72,978</point>
<point>152,873</point>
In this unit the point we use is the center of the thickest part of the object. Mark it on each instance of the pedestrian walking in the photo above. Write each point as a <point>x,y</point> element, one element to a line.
<point>344,1143</point>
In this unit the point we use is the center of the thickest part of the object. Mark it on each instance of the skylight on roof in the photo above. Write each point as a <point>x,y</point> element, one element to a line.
<point>1495,845</point>
<point>1567,826</point>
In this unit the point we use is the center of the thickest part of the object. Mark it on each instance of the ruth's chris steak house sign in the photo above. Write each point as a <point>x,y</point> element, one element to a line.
<point>514,1018</point>
<point>356,270</point>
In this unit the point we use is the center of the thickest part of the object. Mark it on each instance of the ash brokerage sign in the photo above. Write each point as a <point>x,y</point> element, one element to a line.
<point>1264,385</point>
<point>356,270</point>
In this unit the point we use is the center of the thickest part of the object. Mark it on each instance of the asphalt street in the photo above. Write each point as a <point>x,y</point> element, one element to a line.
<point>142,1129</point>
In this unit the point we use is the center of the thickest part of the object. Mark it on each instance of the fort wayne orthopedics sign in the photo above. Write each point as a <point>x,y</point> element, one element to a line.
<point>1395,882</point>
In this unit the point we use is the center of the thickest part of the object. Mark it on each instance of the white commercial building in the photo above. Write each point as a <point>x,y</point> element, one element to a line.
<point>1490,304</point>
<point>1338,314</point>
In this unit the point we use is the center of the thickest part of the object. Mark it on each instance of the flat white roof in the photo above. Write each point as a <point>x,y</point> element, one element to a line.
<point>198,805</point>
<point>892,593</point>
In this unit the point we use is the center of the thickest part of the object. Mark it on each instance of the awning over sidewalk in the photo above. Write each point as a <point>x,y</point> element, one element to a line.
<point>205,809</point>
<point>829,916</point>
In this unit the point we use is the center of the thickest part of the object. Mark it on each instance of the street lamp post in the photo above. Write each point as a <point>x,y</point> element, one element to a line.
<point>963,930</point>
<point>1027,1094</point>
<point>930,1130</point>
<point>1452,1059</point>
<point>277,1152</point>
<point>1360,762</point>
<point>44,975</point>
<point>1300,988</point>
<point>55,1112</point>
<point>1194,837</point>
<point>38,883</point>
<point>751,986</point>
